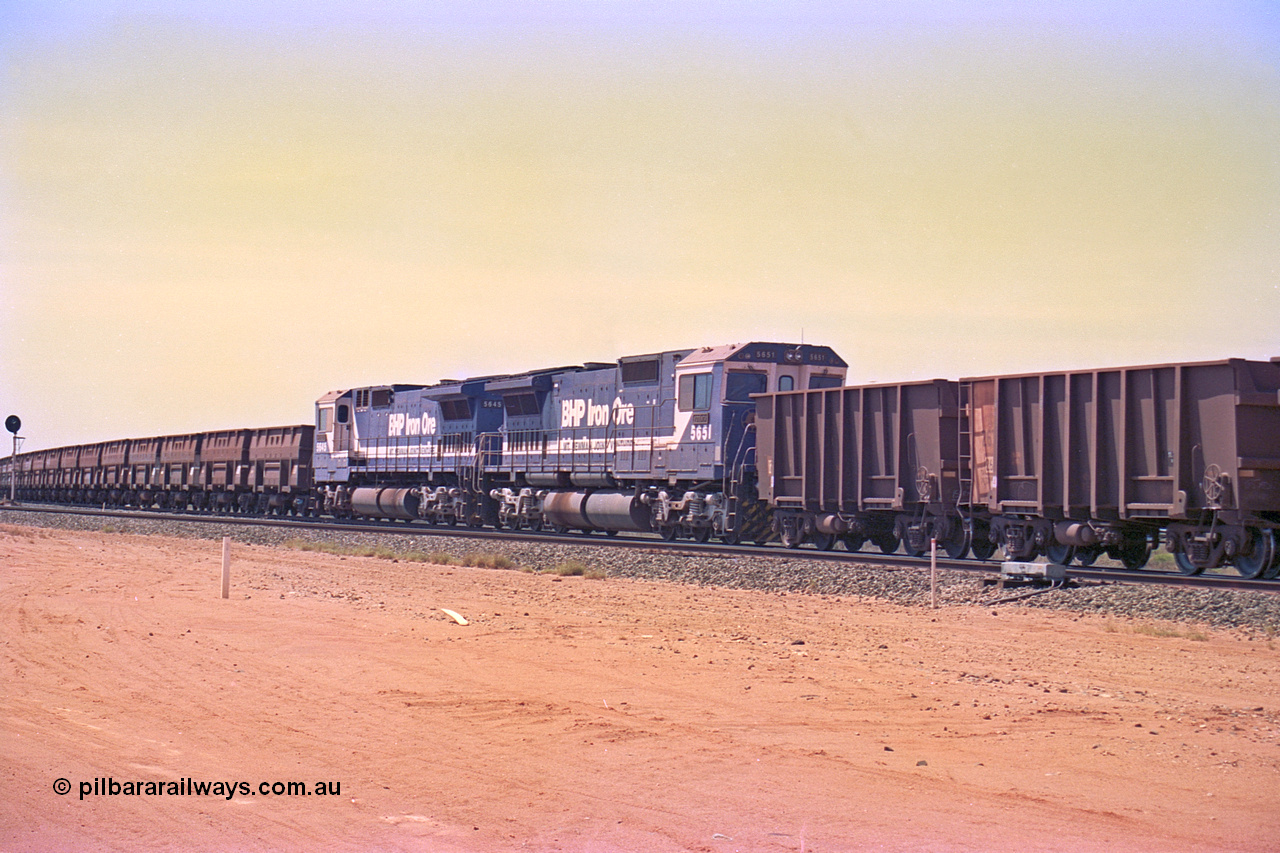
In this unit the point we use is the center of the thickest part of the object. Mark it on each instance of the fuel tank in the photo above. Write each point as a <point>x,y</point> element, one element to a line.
<point>386,503</point>
<point>596,511</point>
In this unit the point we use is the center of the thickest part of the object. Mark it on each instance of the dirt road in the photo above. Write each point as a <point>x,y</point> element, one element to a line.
<point>599,715</point>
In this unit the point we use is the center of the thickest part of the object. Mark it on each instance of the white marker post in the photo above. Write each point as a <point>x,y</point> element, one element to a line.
<point>226,566</point>
<point>933,573</point>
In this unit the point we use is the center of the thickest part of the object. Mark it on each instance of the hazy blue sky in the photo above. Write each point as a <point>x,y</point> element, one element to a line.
<point>210,214</point>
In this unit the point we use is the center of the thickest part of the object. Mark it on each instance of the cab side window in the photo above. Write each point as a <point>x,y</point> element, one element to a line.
<point>695,392</point>
<point>740,385</point>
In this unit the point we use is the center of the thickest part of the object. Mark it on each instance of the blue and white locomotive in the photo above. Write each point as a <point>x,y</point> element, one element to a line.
<point>660,442</point>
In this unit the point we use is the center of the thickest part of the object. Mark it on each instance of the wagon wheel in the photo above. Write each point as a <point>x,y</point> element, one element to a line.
<point>1260,556</point>
<point>1272,571</point>
<point>886,542</point>
<point>1060,554</point>
<point>853,542</point>
<point>956,545</point>
<point>823,541</point>
<point>981,545</point>
<point>1086,557</point>
<point>1134,553</point>
<point>1185,565</point>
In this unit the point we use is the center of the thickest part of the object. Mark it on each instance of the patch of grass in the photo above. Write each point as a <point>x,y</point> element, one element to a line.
<point>381,552</point>
<point>574,568</point>
<point>488,561</point>
<point>1152,630</point>
<point>1149,629</point>
<point>30,534</point>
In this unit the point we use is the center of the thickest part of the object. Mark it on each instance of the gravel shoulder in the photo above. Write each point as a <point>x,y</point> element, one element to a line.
<point>1255,614</point>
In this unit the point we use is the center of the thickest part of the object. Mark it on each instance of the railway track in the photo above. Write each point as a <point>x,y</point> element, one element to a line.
<point>656,544</point>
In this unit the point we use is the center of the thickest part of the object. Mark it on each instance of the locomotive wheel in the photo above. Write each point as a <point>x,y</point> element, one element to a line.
<point>853,542</point>
<point>1185,565</point>
<point>669,532</point>
<point>611,533</point>
<point>535,525</point>
<point>1060,554</point>
<point>823,541</point>
<point>701,534</point>
<point>1260,556</point>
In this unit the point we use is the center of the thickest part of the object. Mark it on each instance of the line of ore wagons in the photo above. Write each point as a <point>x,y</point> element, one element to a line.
<point>759,441</point>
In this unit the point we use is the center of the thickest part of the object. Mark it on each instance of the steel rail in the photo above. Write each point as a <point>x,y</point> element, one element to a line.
<point>651,543</point>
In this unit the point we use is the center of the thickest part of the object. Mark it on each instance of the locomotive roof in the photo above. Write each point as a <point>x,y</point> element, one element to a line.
<point>772,353</point>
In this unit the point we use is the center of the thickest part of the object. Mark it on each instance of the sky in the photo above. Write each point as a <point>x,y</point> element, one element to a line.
<point>213,213</point>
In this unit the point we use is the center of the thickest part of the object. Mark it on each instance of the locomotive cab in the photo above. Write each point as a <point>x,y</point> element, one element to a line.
<point>714,406</point>
<point>333,437</point>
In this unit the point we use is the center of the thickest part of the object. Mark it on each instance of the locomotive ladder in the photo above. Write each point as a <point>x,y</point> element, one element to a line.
<point>734,478</point>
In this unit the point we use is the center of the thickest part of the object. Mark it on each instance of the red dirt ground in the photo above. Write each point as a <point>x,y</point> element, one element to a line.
<point>602,715</point>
